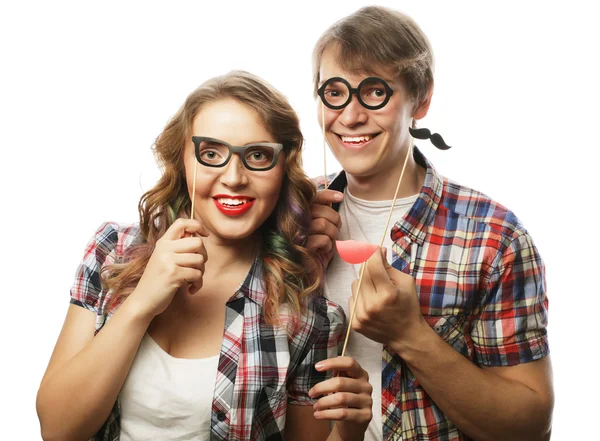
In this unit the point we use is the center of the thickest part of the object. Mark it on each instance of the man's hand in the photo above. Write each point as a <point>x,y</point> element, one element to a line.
<point>325,225</point>
<point>388,309</point>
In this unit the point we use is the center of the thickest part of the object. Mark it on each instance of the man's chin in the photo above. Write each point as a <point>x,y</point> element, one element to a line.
<point>359,168</point>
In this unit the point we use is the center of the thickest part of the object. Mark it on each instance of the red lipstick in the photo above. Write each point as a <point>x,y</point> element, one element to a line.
<point>233,205</point>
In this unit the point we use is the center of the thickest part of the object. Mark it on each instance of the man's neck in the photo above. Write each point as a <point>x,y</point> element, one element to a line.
<point>382,186</point>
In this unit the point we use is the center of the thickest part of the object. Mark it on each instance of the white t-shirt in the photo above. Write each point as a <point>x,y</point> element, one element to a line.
<point>363,221</point>
<point>167,398</point>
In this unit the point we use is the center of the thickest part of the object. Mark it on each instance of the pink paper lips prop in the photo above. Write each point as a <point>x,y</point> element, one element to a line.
<point>355,252</point>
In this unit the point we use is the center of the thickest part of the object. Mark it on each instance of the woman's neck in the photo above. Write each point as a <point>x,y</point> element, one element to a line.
<point>225,254</point>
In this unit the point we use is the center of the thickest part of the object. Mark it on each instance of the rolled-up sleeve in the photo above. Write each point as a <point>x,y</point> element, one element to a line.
<point>87,287</point>
<point>511,328</point>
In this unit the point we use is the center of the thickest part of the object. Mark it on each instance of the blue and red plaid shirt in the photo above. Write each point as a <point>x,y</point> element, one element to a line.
<point>261,367</point>
<point>481,285</point>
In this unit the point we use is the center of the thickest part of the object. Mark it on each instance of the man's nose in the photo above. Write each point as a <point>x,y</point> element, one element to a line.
<point>353,114</point>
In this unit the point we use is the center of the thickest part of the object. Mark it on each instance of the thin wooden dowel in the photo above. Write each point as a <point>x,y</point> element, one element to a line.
<point>362,270</point>
<point>385,232</point>
<point>194,189</point>
<point>324,145</point>
<point>387,224</point>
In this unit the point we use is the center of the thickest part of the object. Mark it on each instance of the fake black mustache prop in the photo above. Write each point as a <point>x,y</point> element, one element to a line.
<point>436,139</point>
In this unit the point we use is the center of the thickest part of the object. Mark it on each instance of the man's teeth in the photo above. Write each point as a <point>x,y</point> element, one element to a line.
<point>357,138</point>
<point>225,201</point>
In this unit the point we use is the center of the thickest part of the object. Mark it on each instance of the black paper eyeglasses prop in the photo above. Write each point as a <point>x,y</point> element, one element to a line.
<point>257,156</point>
<point>211,152</point>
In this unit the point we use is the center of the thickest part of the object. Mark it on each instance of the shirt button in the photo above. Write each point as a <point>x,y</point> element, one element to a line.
<point>221,416</point>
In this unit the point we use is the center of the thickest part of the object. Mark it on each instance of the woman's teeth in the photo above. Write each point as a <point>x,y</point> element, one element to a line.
<point>232,202</point>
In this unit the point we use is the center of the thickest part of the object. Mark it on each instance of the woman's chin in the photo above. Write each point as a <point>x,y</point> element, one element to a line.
<point>230,235</point>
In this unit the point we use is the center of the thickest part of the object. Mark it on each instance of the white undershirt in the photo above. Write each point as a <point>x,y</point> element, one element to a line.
<point>363,221</point>
<point>167,398</point>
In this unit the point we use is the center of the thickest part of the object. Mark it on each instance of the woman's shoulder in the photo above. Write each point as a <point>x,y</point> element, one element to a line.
<point>114,238</point>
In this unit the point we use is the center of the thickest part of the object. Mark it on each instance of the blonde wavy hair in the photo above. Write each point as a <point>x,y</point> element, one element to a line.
<point>291,272</point>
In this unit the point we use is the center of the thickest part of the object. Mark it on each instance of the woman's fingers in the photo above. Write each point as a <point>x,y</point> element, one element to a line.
<point>190,275</point>
<point>343,399</point>
<point>341,384</point>
<point>182,226</point>
<point>345,414</point>
<point>324,219</point>
<point>193,244</point>
<point>328,197</point>
<point>190,260</point>
<point>346,364</point>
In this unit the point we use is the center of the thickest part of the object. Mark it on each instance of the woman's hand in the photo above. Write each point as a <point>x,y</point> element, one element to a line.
<point>325,225</point>
<point>178,259</point>
<point>346,398</point>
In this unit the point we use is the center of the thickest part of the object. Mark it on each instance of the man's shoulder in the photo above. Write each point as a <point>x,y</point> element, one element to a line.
<point>466,202</point>
<point>338,177</point>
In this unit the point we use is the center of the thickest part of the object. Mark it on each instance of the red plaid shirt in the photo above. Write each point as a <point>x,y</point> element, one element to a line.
<point>261,367</point>
<point>481,285</point>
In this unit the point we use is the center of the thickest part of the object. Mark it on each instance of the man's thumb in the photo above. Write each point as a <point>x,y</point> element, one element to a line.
<point>384,254</point>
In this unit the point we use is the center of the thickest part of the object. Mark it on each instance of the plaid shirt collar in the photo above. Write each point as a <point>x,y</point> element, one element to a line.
<point>422,213</point>
<point>253,286</point>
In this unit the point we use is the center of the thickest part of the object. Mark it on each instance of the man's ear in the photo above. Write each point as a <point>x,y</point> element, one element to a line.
<point>421,111</point>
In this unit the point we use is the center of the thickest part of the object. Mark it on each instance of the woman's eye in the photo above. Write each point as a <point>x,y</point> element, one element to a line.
<point>210,155</point>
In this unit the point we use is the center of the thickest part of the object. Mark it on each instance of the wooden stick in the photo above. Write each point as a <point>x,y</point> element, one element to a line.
<point>194,189</point>
<point>387,225</point>
<point>360,278</point>
<point>385,232</point>
<point>324,145</point>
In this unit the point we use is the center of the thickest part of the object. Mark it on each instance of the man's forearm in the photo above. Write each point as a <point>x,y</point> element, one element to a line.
<point>480,403</point>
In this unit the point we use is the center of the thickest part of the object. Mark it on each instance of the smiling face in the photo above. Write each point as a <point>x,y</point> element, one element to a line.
<point>232,201</point>
<point>367,142</point>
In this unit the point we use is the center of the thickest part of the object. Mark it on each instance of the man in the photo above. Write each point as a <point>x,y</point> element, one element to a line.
<point>453,332</point>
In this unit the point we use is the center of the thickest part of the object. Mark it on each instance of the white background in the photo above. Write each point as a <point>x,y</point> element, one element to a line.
<point>86,88</point>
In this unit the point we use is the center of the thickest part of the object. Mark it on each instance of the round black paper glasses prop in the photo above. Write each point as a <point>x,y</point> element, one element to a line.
<point>373,93</point>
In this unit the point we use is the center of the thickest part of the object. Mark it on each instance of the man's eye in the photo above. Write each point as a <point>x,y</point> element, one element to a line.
<point>376,93</point>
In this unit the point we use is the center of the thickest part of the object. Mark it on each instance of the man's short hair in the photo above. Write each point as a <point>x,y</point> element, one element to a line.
<point>375,39</point>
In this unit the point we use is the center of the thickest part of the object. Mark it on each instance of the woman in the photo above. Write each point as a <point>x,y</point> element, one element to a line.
<point>212,324</point>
